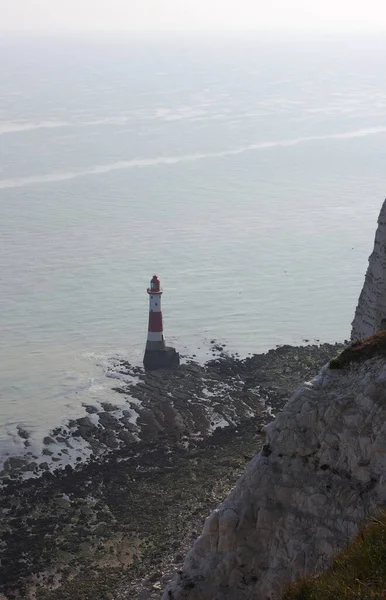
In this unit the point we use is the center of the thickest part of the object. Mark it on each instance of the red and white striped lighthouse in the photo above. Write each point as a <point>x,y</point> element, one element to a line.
<point>155,334</point>
<point>157,355</point>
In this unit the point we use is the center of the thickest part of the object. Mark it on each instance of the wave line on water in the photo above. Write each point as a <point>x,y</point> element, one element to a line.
<point>21,127</point>
<point>171,160</point>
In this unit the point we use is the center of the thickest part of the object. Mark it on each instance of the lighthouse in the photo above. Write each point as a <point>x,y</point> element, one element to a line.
<point>155,334</point>
<point>157,354</point>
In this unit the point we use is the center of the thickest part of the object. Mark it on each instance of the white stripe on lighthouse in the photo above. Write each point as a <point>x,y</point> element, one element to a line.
<point>155,303</point>
<point>155,336</point>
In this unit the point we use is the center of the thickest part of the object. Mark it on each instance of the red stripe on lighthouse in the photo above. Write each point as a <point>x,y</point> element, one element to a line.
<point>155,322</point>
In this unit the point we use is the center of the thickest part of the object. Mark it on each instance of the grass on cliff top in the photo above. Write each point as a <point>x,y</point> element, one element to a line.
<point>361,351</point>
<point>357,574</point>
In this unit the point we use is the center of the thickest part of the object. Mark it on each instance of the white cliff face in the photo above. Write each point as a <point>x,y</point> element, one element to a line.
<point>321,473</point>
<point>371,309</point>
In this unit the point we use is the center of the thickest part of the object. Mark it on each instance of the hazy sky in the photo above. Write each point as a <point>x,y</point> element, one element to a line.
<point>192,14</point>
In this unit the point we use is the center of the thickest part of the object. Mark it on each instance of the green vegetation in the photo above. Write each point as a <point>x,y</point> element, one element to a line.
<point>361,350</point>
<point>357,574</point>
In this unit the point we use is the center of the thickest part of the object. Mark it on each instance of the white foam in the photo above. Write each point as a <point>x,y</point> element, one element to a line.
<point>7,127</point>
<point>15,127</point>
<point>218,422</point>
<point>207,393</point>
<point>172,160</point>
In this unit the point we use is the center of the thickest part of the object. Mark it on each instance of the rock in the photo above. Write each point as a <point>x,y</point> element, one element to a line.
<point>107,420</point>
<point>15,463</point>
<point>31,466</point>
<point>319,475</point>
<point>371,309</point>
<point>85,422</point>
<point>23,433</point>
<point>85,428</point>
<point>127,424</point>
<point>63,503</point>
<point>108,407</point>
<point>110,440</point>
<point>90,409</point>
<point>48,440</point>
<point>126,437</point>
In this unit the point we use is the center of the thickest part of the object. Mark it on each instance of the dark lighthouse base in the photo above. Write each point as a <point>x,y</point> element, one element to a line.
<point>161,359</point>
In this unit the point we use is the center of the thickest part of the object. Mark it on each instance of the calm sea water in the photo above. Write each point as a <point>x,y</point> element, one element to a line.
<point>247,172</point>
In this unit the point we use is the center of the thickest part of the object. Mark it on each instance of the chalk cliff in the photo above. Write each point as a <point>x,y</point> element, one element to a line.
<point>321,472</point>
<point>371,309</point>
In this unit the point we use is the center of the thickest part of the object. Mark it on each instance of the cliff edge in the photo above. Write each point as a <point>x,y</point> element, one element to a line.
<point>371,308</point>
<point>303,498</point>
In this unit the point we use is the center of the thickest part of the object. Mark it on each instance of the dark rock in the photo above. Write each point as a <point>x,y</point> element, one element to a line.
<point>23,433</point>
<point>108,420</point>
<point>161,359</point>
<point>85,422</point>
<point>128,424</point>
<point>15,463</point>
<point>32,466</point>
<point>179,558</point>
<point>126,437</point>
<point>110,440</point>
<point>108,407</point>
<point>266,450</point>
<point>90,409</point>
<point>85,428</point>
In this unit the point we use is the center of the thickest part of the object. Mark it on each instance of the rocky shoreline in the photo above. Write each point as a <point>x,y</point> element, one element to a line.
<point>118,524</point>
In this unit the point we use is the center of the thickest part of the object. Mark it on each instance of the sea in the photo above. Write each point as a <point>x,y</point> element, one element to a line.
<point>246,170</point>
